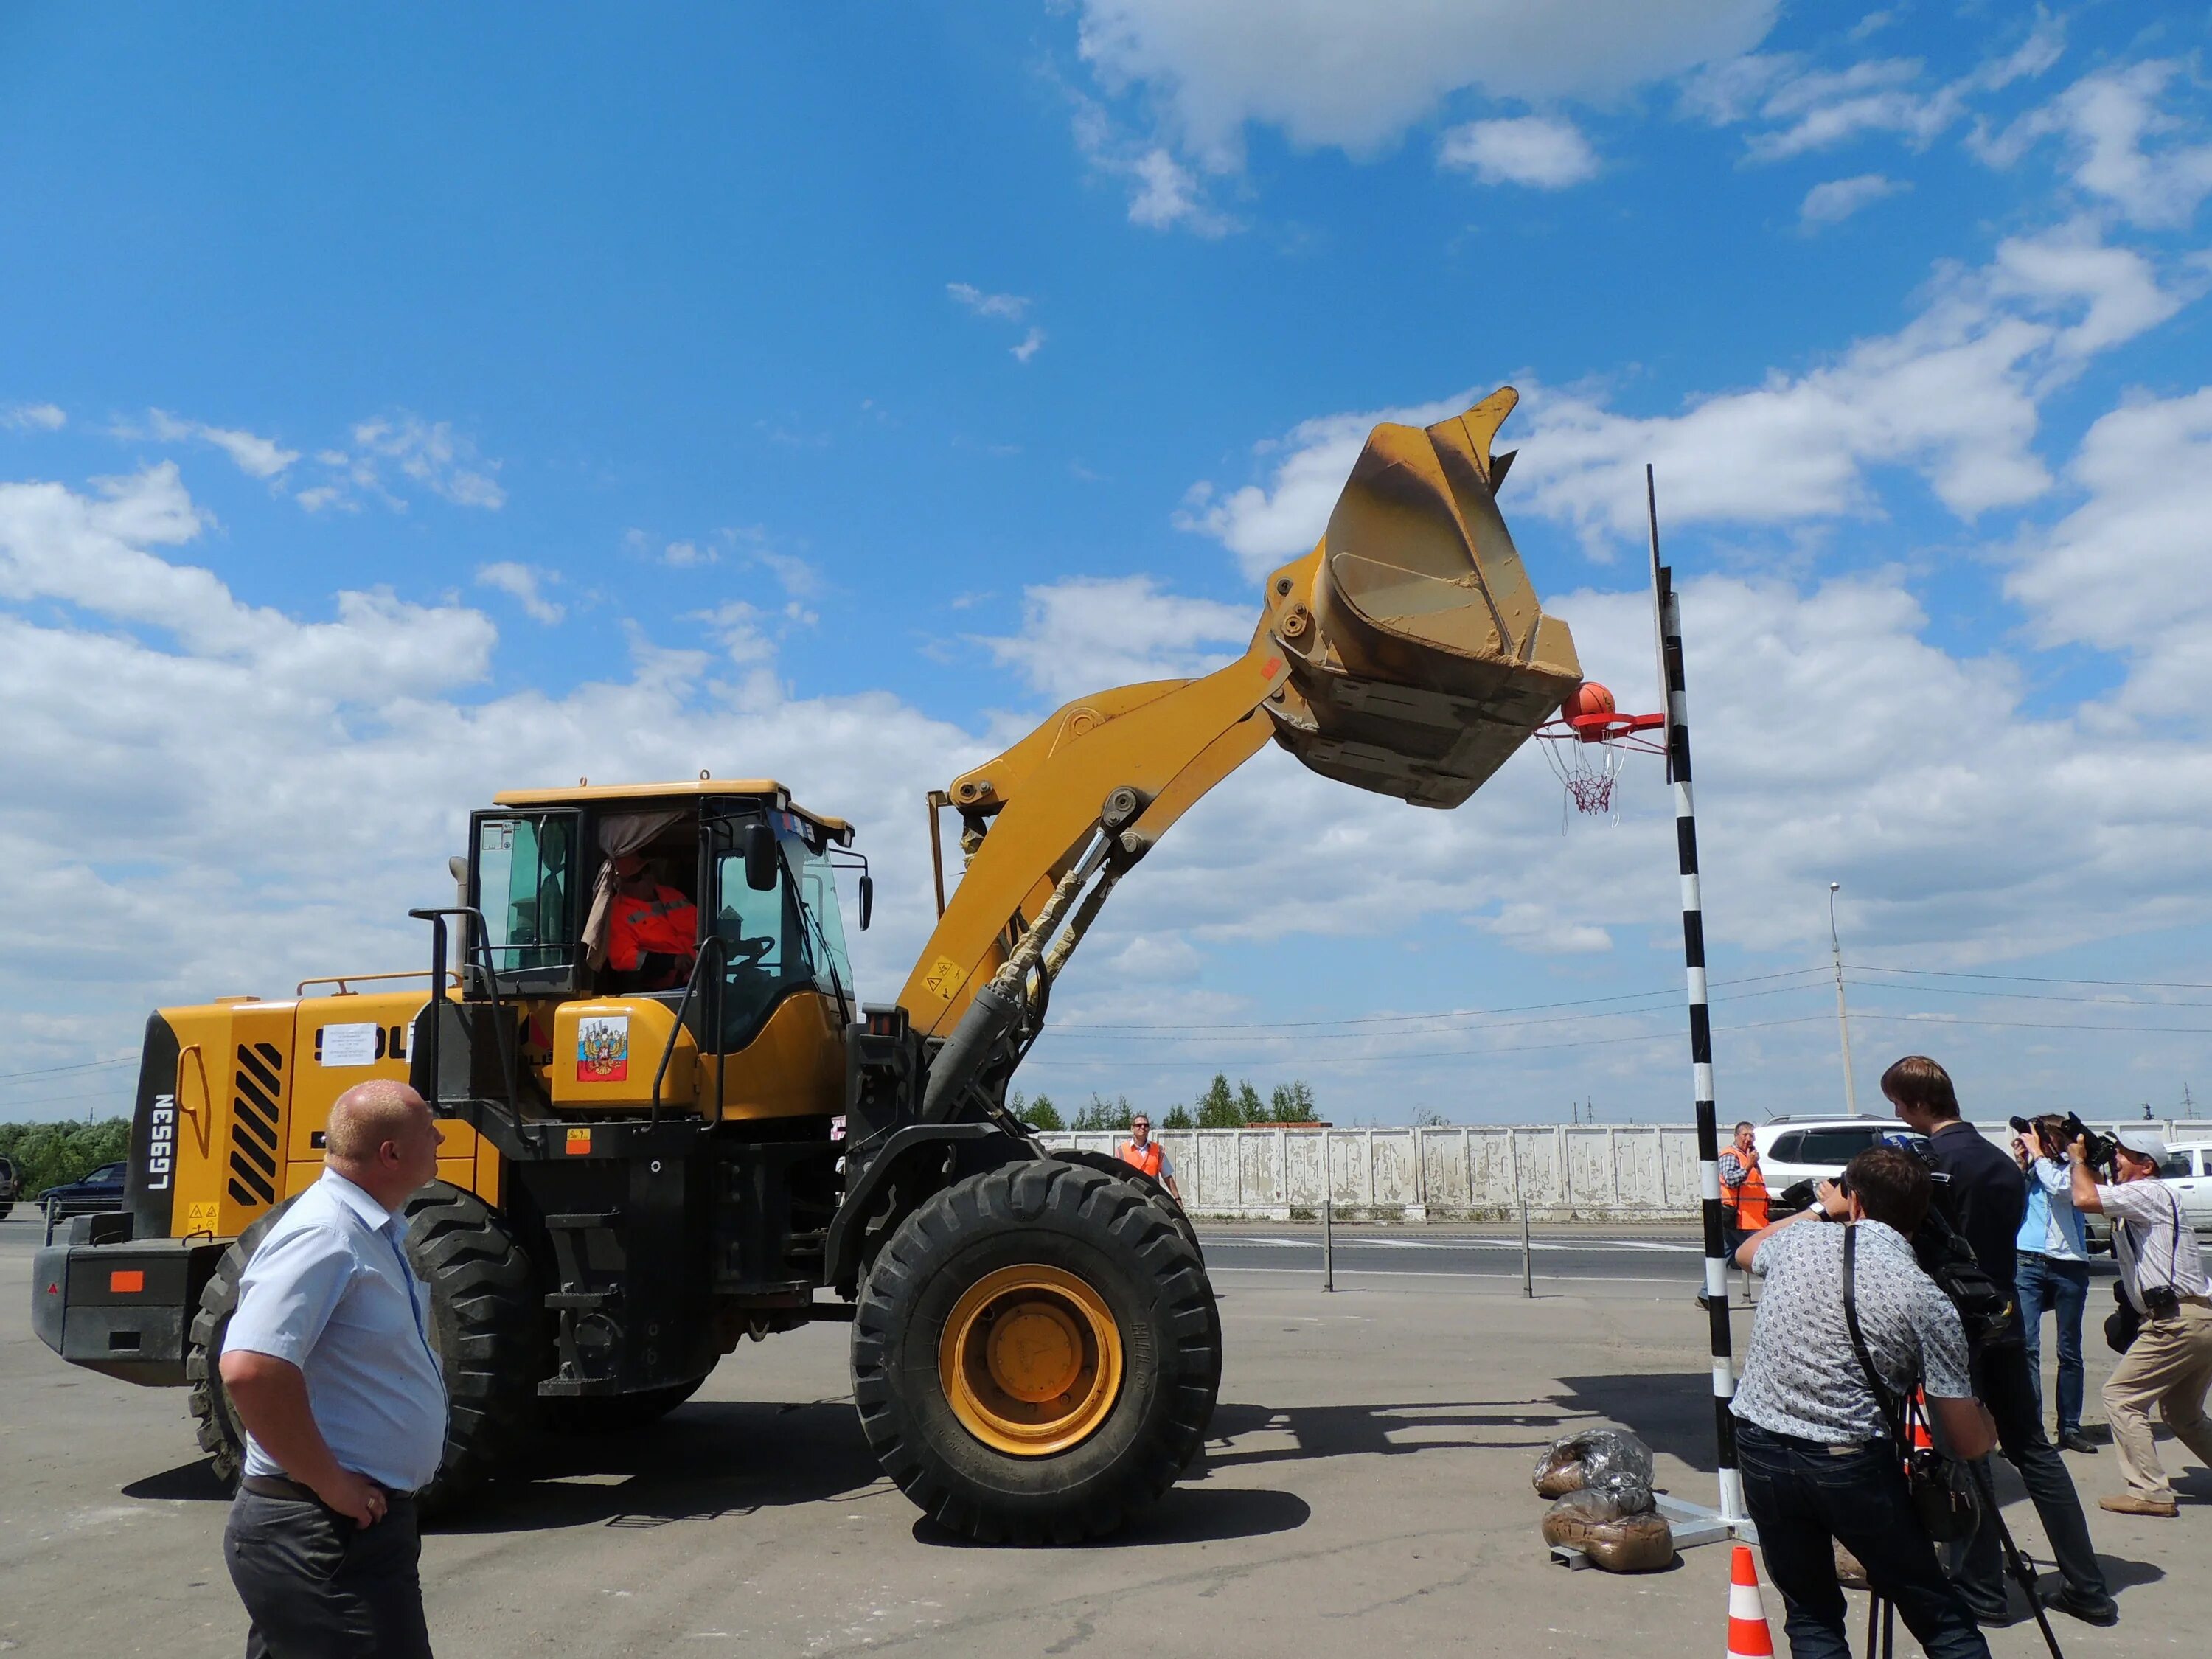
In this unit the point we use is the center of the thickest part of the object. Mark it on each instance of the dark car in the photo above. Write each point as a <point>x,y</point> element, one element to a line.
<point>9,1188</point>
<point>102,1189</point>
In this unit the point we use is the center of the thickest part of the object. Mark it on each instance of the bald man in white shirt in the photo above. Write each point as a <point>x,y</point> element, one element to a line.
<point>329,1365</point>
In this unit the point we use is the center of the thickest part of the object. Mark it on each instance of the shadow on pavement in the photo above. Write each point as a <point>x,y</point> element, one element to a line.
<point>191,1483</point>
<point>1672,1412</point>
<point>1373,1430</point>
<point>1186,1515</point>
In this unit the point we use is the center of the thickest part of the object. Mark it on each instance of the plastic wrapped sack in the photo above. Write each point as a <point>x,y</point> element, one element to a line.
<point>1615,1525</point>
<point>1575,1461</point>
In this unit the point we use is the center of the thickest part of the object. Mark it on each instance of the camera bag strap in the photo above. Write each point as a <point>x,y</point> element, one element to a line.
<point>1936,1485</point>
<point>2172,1285</point>
<point>1882,1397</point>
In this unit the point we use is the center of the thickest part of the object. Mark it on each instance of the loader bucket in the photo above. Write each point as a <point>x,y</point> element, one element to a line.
<point>1419,657</point>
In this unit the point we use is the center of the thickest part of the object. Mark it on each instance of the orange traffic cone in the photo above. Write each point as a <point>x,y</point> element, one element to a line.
<point>1749,1636</point>
<point>1920,1438</point>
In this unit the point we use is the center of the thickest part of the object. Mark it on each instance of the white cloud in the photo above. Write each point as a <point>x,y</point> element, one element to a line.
<point>1952,396</point>
<point>527,585</point>
<point>34,417</point>
<point>92,553</point>
<point>738,625</point>
<point>1088,633</point>
<point>1543,152</point>
<point>2123,572</point>
<point>255,456</point>
<point>432,454</point>
<point>2112,123</point>
<point>1007,306</point>
<point>250,796</point>
<point>1335,72</point>
<point>1803,109</point>
<point>1164,194</point>
<point>1837,199</point>
<point>1004,307</point>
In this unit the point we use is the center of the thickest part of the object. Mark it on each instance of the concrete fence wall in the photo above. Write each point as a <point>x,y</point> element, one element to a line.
<point>1563,1172</point>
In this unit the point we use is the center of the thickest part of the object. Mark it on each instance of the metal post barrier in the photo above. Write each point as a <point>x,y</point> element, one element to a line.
<point>1520,1203</point>
<point>1528,1272</point>
<point>1327,1217</point>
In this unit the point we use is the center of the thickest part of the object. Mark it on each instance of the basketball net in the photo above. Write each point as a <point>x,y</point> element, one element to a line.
<point>1587,771</point>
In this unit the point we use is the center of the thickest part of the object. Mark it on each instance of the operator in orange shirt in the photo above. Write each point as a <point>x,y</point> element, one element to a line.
<point>654,931</point>
<point>1141,1151</point>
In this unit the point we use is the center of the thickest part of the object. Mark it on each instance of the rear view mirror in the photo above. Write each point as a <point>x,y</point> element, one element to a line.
<point>761,857</point>
<point>867,901</point>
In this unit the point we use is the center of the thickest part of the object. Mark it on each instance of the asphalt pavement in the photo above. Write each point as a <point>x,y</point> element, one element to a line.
<point>1365,1482</point>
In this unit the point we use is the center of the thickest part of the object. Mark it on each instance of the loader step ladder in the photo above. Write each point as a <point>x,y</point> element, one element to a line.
<point>588,1335</point>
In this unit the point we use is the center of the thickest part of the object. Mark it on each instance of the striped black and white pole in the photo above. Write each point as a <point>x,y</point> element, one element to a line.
<point>1668,613</point>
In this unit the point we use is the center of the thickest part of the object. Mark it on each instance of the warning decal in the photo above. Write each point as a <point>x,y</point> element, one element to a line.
<point>945,977</point>
<point>603,1048</point>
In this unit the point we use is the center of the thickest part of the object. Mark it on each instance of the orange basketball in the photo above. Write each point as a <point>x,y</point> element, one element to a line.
<point>1588,698</point>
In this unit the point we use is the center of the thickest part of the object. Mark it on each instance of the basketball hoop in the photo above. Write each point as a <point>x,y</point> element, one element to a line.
<point>1585,745</point>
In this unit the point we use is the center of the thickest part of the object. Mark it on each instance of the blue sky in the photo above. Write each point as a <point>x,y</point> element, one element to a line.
<point>830,391</point>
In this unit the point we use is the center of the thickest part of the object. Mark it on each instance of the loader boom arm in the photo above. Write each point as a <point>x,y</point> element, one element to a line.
<point>1405,655</point>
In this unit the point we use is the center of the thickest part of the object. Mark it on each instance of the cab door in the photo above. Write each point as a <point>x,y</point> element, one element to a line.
<point>524,869</point>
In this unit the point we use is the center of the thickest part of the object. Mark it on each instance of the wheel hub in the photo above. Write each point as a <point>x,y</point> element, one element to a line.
<point>1031,1360</point>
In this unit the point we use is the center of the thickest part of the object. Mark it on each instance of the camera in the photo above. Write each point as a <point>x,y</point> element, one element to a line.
<point>2098,1153</point>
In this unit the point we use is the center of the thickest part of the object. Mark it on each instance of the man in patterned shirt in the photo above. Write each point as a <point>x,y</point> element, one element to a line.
<point>1817,1461</point>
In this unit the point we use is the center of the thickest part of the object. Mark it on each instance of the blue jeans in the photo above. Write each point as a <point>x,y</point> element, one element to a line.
<point>1803,1496</point>
<point>2044,1284</point>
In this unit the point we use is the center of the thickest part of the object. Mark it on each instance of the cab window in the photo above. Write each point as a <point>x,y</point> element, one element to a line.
<point>527,890</point>
<point>778,939</point>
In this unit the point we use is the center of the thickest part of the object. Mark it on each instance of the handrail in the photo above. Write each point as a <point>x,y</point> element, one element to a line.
<point>342,980</point>
<point>202,1115</point>
<point>718,947</point>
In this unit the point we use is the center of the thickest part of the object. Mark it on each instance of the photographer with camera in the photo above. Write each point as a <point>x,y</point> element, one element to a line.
<point>1981,1193</point>
<point>2167,1346</point>
<point>1818,1436</point>
<point>2053,1273</point>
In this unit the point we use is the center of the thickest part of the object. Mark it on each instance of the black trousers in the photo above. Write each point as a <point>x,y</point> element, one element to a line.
<point>2003,1384</point>
<point>1803,1496</point>
<point>317,1586</point>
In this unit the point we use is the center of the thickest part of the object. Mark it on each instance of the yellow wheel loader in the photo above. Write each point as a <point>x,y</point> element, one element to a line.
<point>652,1153</point>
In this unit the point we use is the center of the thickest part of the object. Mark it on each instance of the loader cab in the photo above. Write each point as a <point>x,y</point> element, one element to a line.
<point>753,877</point>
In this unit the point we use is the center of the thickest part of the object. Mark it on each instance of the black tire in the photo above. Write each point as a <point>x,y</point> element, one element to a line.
<point>1107,1163</point>
<point>1080,1221</point>
<point>613,1413</point>
<point>485,1317</point>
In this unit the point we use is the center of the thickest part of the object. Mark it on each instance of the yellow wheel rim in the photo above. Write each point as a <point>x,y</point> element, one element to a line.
<point>1031,1360</point>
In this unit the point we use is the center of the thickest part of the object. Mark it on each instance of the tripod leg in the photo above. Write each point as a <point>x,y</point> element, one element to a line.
<point>1889,1629</point>
<point>2021,1572</point>
<point>1874,1622</point>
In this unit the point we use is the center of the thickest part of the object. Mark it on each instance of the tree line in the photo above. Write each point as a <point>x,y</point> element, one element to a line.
<point>47,1154</point>
<point>1220,1107</point>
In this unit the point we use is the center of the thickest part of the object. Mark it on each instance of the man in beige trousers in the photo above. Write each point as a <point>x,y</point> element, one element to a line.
<point>2169,1365</point>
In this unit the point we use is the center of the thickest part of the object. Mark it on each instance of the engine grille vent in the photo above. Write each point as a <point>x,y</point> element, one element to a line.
<point>253,1123</point>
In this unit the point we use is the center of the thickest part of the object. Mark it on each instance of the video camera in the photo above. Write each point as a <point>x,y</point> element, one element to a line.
<point>2098,1152</point>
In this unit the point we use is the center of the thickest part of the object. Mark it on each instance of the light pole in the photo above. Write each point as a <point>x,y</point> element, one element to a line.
<point>1843,1015</point>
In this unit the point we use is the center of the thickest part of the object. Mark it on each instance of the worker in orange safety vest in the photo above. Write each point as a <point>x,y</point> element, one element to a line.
<point>654,930</point>
<point>1141,1151</point>
<point>1743,1194</point>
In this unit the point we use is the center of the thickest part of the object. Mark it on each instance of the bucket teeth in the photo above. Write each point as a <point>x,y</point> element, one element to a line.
<point>1419,656</point>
